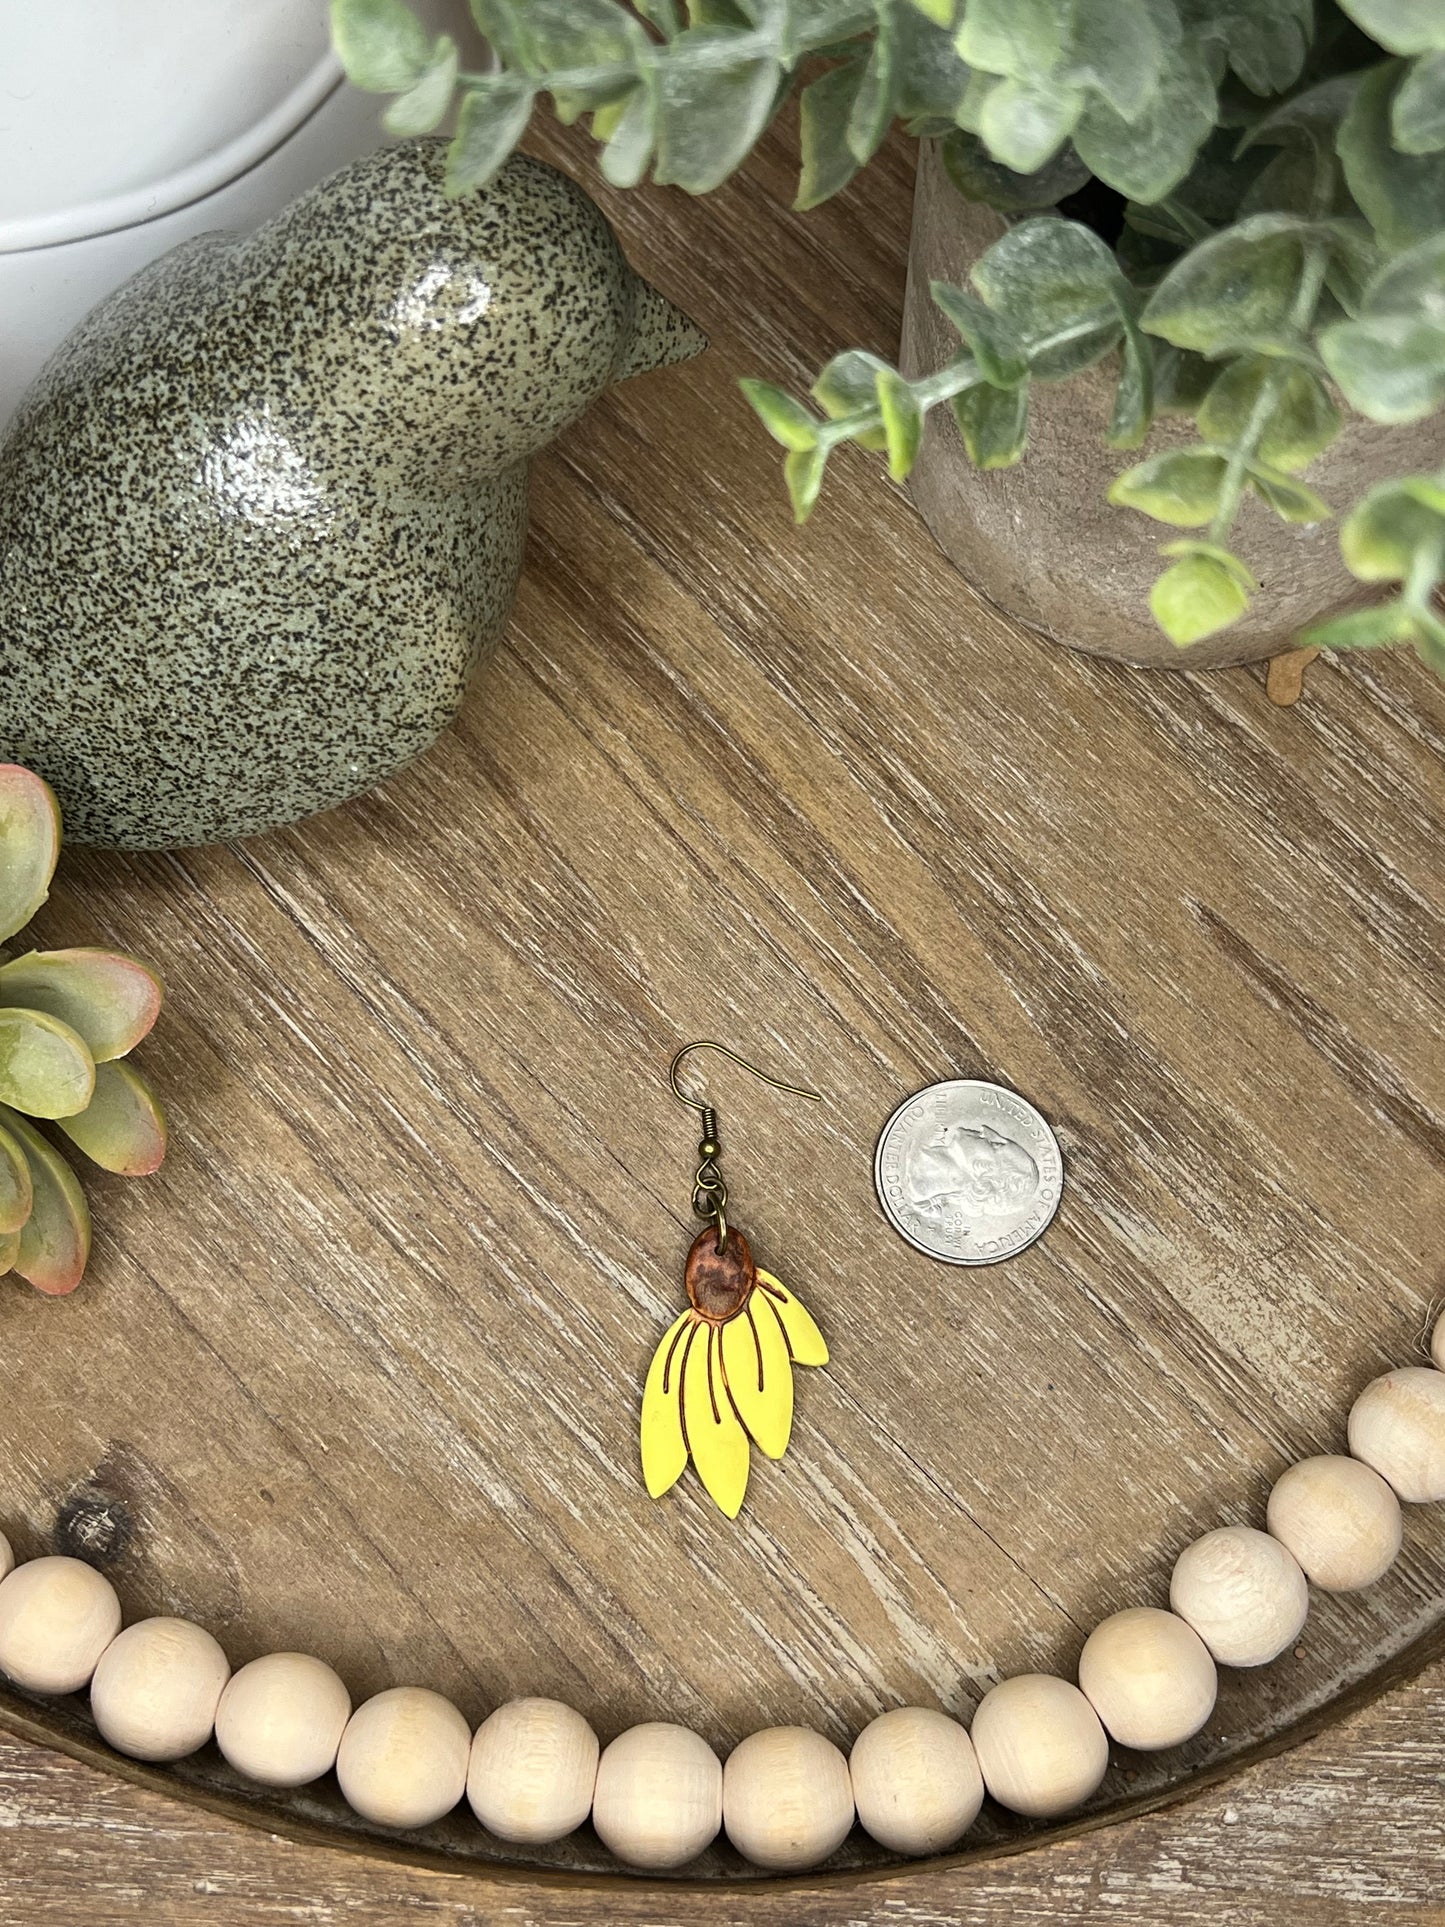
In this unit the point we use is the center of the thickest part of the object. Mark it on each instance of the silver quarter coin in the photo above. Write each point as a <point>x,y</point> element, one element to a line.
<point>968,1172</point>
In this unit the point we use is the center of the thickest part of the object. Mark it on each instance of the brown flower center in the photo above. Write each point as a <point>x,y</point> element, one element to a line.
<point>719,1283</point>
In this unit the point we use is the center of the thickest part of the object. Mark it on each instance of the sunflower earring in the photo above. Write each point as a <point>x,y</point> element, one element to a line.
<point>724,1369</point>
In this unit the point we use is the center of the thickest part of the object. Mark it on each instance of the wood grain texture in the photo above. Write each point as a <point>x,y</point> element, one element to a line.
<point>359,1371</point>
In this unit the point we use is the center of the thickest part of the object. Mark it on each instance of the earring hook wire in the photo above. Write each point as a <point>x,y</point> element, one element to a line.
<point>708,1043</point>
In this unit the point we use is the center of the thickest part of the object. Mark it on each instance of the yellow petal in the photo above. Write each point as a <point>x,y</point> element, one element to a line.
<point>760,1373</point>
<point>664,1450</point>
<point>716,1439</point>
<point>805,1341</point>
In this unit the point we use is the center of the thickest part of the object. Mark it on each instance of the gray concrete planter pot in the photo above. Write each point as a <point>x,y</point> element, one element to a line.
<point>1041,540</point>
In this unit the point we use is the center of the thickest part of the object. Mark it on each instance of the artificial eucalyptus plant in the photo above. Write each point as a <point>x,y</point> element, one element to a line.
<point>1274,176</point>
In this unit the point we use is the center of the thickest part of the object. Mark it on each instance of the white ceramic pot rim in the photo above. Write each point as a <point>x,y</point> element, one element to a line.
<point>140,204</point>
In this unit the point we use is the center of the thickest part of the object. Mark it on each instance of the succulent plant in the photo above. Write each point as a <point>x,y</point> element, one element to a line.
<point>67,1020</point>
<point>1274,174</point>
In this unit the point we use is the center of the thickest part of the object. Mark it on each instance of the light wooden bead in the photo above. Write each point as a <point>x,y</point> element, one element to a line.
<point>1039,1744</point>
<point>533,1768</point>
<point>281,1718</point>
<point>57,1616</point>
<point>658,1800</point>
<point>1243,1593</point>
<point>1397,1425</point>
<point>1149,1678</point>
<point>7,1556</point>
<point>157,1687</point>
<point>1437,1342</point>
<point>1339,1518</point>
<point>787,1798</point>
<point>916,1782</point>
<point>403,1758</point>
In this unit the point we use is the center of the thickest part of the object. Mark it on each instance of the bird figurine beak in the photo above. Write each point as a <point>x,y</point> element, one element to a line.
<point>661,335</point>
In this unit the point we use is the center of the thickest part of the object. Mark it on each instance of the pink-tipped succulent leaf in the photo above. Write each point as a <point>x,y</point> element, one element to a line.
<point>45,1068</point>
<point>55,1238</point>
<point>16,1191</point>
<point>29,845</point>
<point>122,1129</point>
<point>109,999</point>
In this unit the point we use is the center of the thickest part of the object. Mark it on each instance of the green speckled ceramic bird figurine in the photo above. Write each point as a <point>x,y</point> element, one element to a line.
<point>263,513</point>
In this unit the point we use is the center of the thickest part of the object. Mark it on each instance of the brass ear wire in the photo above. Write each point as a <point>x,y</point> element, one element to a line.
<point>709,1192</point>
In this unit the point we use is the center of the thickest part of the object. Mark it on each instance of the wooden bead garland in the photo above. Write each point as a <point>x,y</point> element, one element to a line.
<point>786,1795</point>
<point>533,1768</point>
<point>403,1758</point>
<point>156,1688</point>
<point>57,1616</point>
<point>1397,1425</point>
<point>916,1780</point>
<point>787,1798</point>
<point>1339,1518</point>
<point>281,1718</point>
<point>658,1802</point>
<point>1149,1677</point>
<point>1243,1593</point>
<point>1040,1745</point>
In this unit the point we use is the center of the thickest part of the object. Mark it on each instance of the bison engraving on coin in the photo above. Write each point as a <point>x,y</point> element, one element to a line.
<point>968,1172</point>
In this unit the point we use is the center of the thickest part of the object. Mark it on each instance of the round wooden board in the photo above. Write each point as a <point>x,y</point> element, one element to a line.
<point>359,1371</point>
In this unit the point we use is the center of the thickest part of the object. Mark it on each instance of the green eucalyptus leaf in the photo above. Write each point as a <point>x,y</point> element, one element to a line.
<point>491,120</point>
<point>1402,26</point>
<point>1377,628</point>
<point>45,1068</point>
<point>423,106</point>
<point>1417,118</point>
<point>1289,499</point>
<point>1233,289</point>
<point>848,386</point>
<point>710,117</point>
<point>1181,380</point>
<point>579,33</point>
<point>995,346</point>
<point>1145,157</point>
<point>55,1238</point>
<point>108,999</point>
<point>1020,38</point>
<point>1412,283</point>
<point>871,114</point>
<point>902,421</point>
<point>1024,123</point>
<point>824,110</point>
<point>1115,47</point>
<point>979,177</point>
<point>122,1129</point>
<point>1180,486</point>
<point>1196,545</point>
<point>1302,420</point>
<point>16,1190</point>
<point>1197,597</point>
<point>994,423</point>
<point>383,46</point>
<point>665,15</point>
<point>1389,367</point>
<point>940,12</point>
<point>803,472</point>
<point>1401,195</point>
<point>929,79</point>
<point>785,419</point>
<point>631,132</point>
<point>1264,41</point>
<point>1309,120</point>
<point>1133,409</point>
<point>1381,536</point>
<point>29,845</point>
<point>1058,287</point>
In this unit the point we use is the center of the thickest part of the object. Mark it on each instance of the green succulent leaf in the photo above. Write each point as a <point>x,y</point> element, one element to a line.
<point>994,423</point>
<point>55,1238</point>
<point>785,419</point>
<point>1401,195</point>
<point>16,1190</point>
<point>979,177</point>
<point>9,1251</point>
<point>45,1068</point>
<point>1403,26</point>
<point>803,472</point>
<point>1059,289</point>
<point>1396,522</point>
<point>108,999</point>
<point>1234,289</point>
<point>1417,119</point>
<point>383,46</point>
<point>848,386</point>
<point>1181,486</point>
<point>1289,499</point>
<point>1200,594</point>
<point>423,106</point>
<point>122,1128</point>
<point>1302,420</point>
<point>491,119</point>
<point>29,845</point>
<point>994,345</point>
<point>902,421</point>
